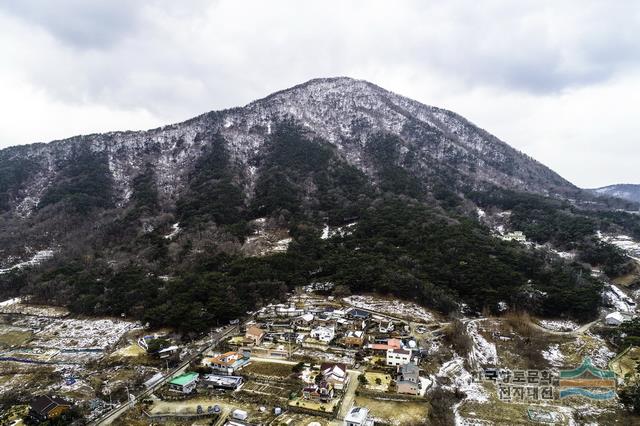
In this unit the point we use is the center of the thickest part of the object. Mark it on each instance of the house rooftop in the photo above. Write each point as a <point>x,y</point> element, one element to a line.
<point>409,368</point>
<point>45,403</point>
<point>183,379</point>
<point>357,415</point>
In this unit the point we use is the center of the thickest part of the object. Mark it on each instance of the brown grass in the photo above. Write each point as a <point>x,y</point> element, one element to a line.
<point>522,324</point>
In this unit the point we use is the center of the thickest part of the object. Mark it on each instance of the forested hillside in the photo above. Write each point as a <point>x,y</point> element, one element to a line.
<point>155,225</point>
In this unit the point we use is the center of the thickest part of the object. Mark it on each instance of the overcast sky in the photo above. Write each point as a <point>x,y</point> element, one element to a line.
<point>557,80</point>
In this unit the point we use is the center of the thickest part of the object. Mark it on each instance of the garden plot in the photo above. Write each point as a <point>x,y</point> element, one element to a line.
<point>11,336</point>
<point>190,406</point>
<point>392,307</point>
<point>268,388</point>
<point>377,381</point>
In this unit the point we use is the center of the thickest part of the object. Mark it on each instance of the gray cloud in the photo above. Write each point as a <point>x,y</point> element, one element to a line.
<point>83,24</point>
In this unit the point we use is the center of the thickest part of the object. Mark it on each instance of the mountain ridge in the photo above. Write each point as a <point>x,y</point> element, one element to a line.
<point>626,191</point>
<point>338,110</point>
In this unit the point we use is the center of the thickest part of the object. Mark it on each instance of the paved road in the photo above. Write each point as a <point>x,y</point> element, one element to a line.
<point>111,416</point>
<point>223,417</point>
<point>349,394</point>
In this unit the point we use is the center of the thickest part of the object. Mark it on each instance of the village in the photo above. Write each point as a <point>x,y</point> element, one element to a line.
<point>316,359</point>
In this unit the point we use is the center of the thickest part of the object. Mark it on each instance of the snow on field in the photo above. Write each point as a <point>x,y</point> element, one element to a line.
<point>554,355</point>
<point>483,352</point>
<point>83,334</point>
<point>408,310</point>
<point>35,260</point>
<point>559,325</point>
<point>425,384</point>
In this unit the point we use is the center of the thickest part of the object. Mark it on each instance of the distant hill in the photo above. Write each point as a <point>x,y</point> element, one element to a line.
<point>626,191</point>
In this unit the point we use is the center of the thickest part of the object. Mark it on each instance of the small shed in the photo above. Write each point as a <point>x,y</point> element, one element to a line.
<point>614,318</point>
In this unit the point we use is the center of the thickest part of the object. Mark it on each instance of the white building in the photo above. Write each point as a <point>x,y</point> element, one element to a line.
<point>358,416</point>
<point>397,357</point>
<point>323,334</point>
<point>614,318</point>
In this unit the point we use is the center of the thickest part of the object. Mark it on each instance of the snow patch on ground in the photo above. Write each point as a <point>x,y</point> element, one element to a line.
<point>281,245</point>
<point>559,325</point>
<point>175,230</point>
<point>483,352</point>
<point>10,302</point>
<point>463,381</point>
<point>554,355</point>
<point>624,243</point>
<point>35,260</point>
<point>620,301</point>
<point>342,231</point>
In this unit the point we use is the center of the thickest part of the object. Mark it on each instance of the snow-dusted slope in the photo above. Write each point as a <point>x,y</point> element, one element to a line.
<point>628,192</point>
<point>343,111</point>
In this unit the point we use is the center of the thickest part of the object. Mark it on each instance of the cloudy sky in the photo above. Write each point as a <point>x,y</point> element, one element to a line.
<point>557,80</point>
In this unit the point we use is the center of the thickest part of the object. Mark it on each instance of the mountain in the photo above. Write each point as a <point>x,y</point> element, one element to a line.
<point>399,144</point>
<point>626,191</point>
<point>335,179</point>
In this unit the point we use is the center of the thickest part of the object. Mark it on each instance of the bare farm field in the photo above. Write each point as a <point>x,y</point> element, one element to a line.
<point>268,369</point>
<point>397,413</point>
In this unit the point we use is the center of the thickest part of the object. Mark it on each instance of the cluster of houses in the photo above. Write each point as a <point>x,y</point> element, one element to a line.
<point>322,324</point>
<point>318,325</point>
